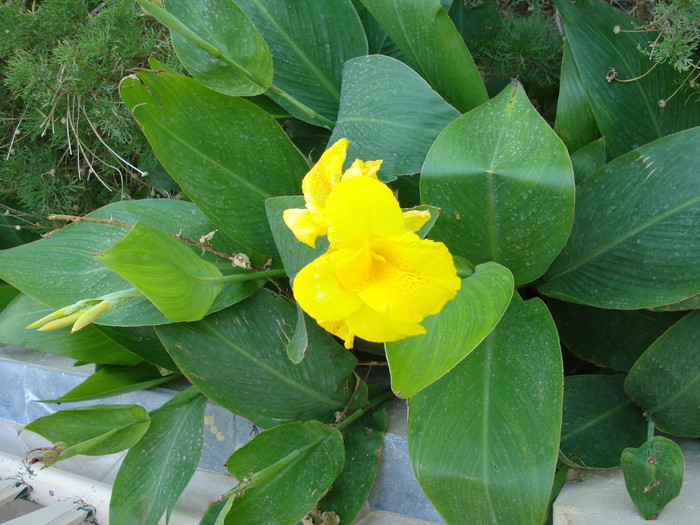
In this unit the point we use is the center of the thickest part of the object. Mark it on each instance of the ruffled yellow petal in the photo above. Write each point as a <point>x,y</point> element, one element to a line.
<point>339,329</point>
<point>378,327</point>
<point>354,268</point>
<point>415,219</point>
<point>319,182</point>
<point>361,168</point>
<point>321,295</point>
<point>362,208</point>
<point>304,225</point>
<point>416,280</point>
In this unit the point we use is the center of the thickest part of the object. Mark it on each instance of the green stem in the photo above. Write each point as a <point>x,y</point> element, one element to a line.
<point>373,403</point>
<point>306,110</point>
<point>240,277</point>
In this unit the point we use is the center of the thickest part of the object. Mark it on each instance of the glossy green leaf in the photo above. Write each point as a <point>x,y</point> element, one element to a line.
<point>140,340</point>
<point>289,468</point>
<point>294,254</point>
<point>666,379</point>
<point>363,441</point>
<point>483,440</point>
<point>608,338</point>
<point>211,145</point>
<point>505,185</point>
<point>433,47</point>
<point>87,345</point>
<point>114,380</point>
<point>309,40</point>
<point>168,272</point>
<point>96,430</point>
<point>296,349</point>
<point>653,474</point>
<point>388,112</point>
<point>635,241</point>
<point>74,274</point>
<point>574,123</point>
<point>258,381</point>
<point>628,113</point>
<point>7,294</point>
<point>691,303</point>
<point>217,43</point>
<point>599,421</point>
<point>154,473</point>
<point>454,332</point>
<point>589,159</point>
<point>378,42</point>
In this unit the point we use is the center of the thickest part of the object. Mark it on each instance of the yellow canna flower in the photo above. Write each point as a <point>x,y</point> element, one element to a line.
<point>310,222</point>
<point>378,280</point>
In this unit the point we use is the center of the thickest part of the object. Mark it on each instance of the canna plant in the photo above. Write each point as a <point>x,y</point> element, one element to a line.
<point>532,287</point>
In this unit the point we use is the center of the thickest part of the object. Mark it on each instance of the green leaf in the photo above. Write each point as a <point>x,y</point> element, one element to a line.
<point>142,341</point>
<point>653,474</point>
<point>257,380</point>
<point>666,379</point>
<point>691,303</point>
<point>635,241</point>
<point>433,47</point>
<point>289,468</point>
<point>294,254</point>
<point>87,345</point>
<point>154,473</point>
<point>505,185</point>
<point>61,269</point>
<point>589,159</point>
<point>483,440</point>
<point>211,145</point>
<point>609,338</point>
<point>166,271</point>
<point>217,43</point>
<point>628,113</point>
<point>454,332</point>
<point>7,294</point>
<point>378,42</point>
<point>310,41</point>
<point>296,349</point>
<point>388,112</point>
<point>574,123</point>
<point>363,442</point>
<point>114,380</point>
<point>599,421</point>
<point>96,430</point>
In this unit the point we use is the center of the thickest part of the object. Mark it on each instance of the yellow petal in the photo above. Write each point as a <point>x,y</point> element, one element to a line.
<point>304,225</point>
<point>324,176</point>
<point>339,329</point>
<point>354,268</point>
<point>90,315</point>
<point>47,318</point>
<point>415,219</point>
<point>416,280</point>
<point>60,323</point>
<point>362,208</point>
<point>378,327</point>
<point>320,294</point>
<point>360,168</point>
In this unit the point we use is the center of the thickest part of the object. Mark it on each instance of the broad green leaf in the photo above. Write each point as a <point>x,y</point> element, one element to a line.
<point>363,442</point>
<point>608,338</point>
<point>574,123</point>
<point>454,332</point>
<point>87,345</point>
<point>310,40</point>
<point>96,430</point>
<point>7,295</point>
<point>653,474</point>
<point>691,303</point>
<point>294,253</point>
<point>483,440</point>
<point>170,274</point>
<point>296,349</point>
<point>237,358</point>
<point>114,380</point>
<point>666,379</point>
<point>142,341</point>
<point>433,47</point>
<point>505,185</point>
<point>217,43</point>
<point>378,42</point>
<point>388,112</point>
<point>211,145</point>
<point>635,241</point>
<point>289,468</point>
<point>628,113</point>
<point>599,421</point>
<point>154,473</point>
<point>61,269</point>
<point>589,159</point>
